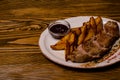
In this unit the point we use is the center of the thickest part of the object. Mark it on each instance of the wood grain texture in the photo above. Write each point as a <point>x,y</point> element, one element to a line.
<point>22,22</point>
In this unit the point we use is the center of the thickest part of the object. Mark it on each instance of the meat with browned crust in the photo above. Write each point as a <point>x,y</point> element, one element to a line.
<point>98,45</point>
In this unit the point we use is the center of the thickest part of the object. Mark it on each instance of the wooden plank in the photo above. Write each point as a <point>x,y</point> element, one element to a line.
<point>22,22</point>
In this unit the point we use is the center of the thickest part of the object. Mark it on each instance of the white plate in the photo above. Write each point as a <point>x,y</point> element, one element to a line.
<point>59,57</point>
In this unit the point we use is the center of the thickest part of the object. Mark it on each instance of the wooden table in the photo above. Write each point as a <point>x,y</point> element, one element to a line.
<point>22,22</point>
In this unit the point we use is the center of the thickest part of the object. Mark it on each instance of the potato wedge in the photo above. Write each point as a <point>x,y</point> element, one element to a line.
<point>83,34</point>
<point>71,38</point>
<point>80,34</point>
<point>67,50</point>
<point>60,45</point>
<point>93,24</point>
<point>92,29</point>
<point>90,32</point>
<point>99,24</point>
<point>77,30</point>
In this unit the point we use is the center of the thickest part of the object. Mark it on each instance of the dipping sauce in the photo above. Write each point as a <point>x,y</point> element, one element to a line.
<point>59,28</point>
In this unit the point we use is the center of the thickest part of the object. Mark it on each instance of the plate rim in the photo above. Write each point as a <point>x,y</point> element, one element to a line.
<point>48,55</point>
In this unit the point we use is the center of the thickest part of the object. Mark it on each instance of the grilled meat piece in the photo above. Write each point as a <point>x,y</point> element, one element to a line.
<point>98,45</point>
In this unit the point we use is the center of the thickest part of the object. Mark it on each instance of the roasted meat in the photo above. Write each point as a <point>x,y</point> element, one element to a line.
<point>97,45</point>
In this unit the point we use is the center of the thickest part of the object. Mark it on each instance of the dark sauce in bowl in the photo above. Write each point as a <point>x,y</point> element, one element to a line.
<point>59,28</point>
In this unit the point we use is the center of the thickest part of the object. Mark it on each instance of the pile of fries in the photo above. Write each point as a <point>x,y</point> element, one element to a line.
<point>79,35</point>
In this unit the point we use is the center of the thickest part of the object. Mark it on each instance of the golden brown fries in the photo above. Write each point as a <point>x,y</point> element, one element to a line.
<point>90,32</point>
<point>99,24</point>
<point>71,38</point>
<point>79,35</point>
<point>60,45</point>
<point>83,34</point>
<point>93,25</point>
<point>70,46</point>
<point>76,30</point>
<point>67,50</point>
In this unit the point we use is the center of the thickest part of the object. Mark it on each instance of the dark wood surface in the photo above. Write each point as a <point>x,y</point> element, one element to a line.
<point>22,22</point>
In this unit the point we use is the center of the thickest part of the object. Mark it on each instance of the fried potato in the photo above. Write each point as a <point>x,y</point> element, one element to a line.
<point>99,24</point>
<point>79,35</point>
<point>77,30</point>
<point>60,45</point>
<point>93,24</point>
<point>67,50</point>
<point>71,38</point>
<point>90,32</point>
<point>83,34</point>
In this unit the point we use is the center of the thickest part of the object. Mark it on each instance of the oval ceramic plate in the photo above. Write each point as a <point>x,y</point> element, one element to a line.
<point>59,57</point>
